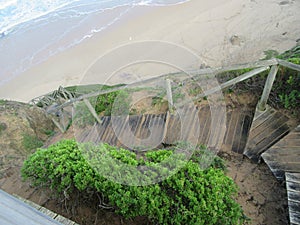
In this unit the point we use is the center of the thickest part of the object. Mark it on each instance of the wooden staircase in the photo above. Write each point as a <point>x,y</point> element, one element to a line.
<point>197,125</point>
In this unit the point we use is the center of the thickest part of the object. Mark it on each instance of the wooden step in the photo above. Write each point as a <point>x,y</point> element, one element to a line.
<point>267,128</point>
<point>293,193</point>
<point>237,129</point>
<point>284,156</point>
<point>215,128</point>
<point>16,210</point>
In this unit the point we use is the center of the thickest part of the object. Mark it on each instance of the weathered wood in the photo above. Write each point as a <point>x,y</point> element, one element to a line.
<point>169,94</point>
<point>293,192</point>
<point>207,71</point>
<point>15,211</point>
<point>265,63</point>
<point>92,110</point>
<point>167,123</point>
<point>231,82</point>
<point>267,129</point>
<point>58,125</point>
<point>267,88</point>
<point>284,156</point>
<point>289,65</point>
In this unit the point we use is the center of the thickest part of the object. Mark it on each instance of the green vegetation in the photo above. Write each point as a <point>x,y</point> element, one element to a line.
<point>2,102</point>
<point>31,142</point>
<point>117,102</point>
<point>189,196</point>
<point>287,83</point>
<point>3,127</point>
<point>90,88</point>
<point>269,54</point>
<point>49,133</point>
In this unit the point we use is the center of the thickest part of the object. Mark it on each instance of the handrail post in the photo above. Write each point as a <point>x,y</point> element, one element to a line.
<point>92,110</point>
<point>267,89</point>
<point>169,94</point>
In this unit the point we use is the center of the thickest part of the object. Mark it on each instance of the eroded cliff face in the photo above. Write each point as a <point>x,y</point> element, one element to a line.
<point>22,128</point>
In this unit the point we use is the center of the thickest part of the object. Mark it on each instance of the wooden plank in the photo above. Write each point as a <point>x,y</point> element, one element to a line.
<point>266,126</point>
<point>218,127</point>
<point>274,161</point>
<point>283,150</point>
<point>267,88</point>
<point>203,114</point>
<point>238,134</point>
<point>14,211</point>
<point>188,120</point>
<point>245,132</point>
<point>158,129</point>
<point>291,167</point>
<point>292,186</point>
<point>229,139</point>
<point>166,126</point>
<point>233,81</point>
<point>253,150</point>
<point>102,127</point>
<point>288,142</point>
<point>289,65</point>
<point>169,94</point>
<point>293,196</point>
<point>275,129</point>
<point>92,110</point>
<point>58,125</point>
<point>294,218</point>
<point>119,127</point>
<point>261,116</point>
<point>294,206</point>
<point>64,220</point>
<point>206,128</point>
<point>273,137</point>
<point>293,177</point>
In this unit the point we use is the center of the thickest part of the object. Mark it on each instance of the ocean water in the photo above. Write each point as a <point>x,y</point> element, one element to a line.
<point>67,22</point>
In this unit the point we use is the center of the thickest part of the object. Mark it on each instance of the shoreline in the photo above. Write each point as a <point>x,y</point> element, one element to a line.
<point>220,33</point>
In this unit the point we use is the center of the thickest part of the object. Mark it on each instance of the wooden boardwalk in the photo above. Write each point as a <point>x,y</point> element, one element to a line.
<point>284,156</point>
<point>215,128</point>
<point>268,127</point>
<point>16,211</point>
<point>293,192</point>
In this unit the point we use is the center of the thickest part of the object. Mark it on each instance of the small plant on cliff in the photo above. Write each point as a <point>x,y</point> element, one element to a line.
<point>31,142</point>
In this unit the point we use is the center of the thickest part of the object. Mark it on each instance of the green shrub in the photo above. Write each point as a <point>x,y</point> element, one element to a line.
<point>190,196</point>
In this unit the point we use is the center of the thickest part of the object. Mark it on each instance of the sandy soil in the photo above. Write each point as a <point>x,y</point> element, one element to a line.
<point>215,33</point>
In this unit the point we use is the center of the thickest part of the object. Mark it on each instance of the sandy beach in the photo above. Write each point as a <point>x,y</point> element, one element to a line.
<point>217,32</point>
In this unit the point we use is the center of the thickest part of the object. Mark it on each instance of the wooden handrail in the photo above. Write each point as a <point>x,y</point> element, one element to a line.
<point>209,72</point>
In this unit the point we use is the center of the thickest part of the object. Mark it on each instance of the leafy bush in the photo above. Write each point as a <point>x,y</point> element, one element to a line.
<point>190,196</point>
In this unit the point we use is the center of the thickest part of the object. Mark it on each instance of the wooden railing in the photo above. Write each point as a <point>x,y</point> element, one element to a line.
<point>258,67</point>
